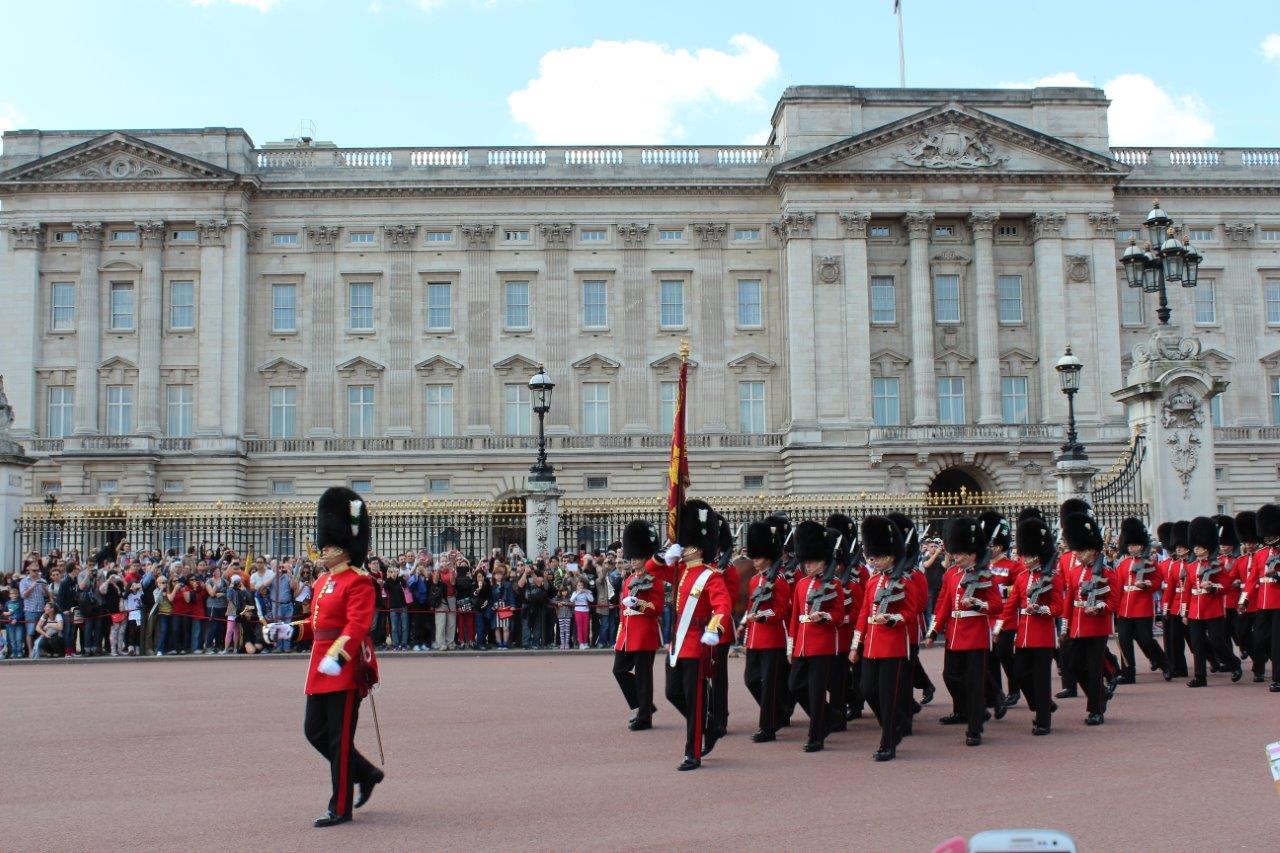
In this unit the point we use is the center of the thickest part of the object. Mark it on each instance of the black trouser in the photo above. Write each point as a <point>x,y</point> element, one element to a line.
<point>634,672</point>
<point>919,678</point>
<point>1033,675</point>
<point>1086,664</point>
<point>886,684</point>
<point>1065,672</point>
<point>720,687</point>
<point>1002,658</point>
<point>1266,642</point>
<point>965,674</point>
<point>1231,625</point>
<point>1138,628</point>
<point>1175,645</point>
<point>765,678</point>
<point>808,685</point>
<point>683,686</point>
<point>330,726</point>
<point>1209,640</point>
<point>838,690</point>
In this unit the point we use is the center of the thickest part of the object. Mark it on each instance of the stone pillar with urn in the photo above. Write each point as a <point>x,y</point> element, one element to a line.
<point>541,518</point>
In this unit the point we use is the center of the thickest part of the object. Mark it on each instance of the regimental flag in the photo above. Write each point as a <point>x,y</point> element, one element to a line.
<point>678,469</point>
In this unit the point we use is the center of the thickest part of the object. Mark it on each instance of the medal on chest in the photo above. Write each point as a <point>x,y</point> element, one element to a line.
<point>329,587</point>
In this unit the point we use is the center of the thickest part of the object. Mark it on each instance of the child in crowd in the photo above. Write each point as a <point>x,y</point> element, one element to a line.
<point>133,628</point>
<point>564,615</point>
<point>582,599</point>
<point>14,630</point>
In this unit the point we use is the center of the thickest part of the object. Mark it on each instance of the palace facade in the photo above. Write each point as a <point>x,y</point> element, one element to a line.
<point>875,301</point>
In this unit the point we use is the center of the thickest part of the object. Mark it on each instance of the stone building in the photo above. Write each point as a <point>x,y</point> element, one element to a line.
<point>875,301</point>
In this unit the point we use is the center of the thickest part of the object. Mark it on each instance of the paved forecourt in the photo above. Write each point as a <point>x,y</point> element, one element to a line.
<point>532,752</point>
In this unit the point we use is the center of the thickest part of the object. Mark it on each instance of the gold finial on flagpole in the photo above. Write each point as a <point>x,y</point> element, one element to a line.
<point>684,349</point>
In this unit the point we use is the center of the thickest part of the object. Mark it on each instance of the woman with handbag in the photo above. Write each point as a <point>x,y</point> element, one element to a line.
<point>464,589</point>
<point>504,606</point>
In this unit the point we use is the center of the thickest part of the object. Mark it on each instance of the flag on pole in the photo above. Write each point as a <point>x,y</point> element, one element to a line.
<point>678,469</point>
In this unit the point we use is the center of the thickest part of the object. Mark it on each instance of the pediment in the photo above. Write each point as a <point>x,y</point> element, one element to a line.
<point>1272,361</point>
<point>516,364</point>
<point>117,362</point>
<point>753,361</point>
<point>360,364</point>
<point>1217,359</point>
<point>953,360</point>
<point>596,361</point>
<point>952,139</point>
<point>1017,354</point>
<point>438,364</point>
<point>671,361</point>
<point>889,358</point>
<point>115,158</point>
<point>282,365</point>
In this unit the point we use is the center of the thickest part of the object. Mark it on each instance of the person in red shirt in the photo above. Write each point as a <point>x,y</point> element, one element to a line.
<point>638,630</point>
<point>1091,595</point>
<point>1262,592</point>
<point>1139,579</point>
<point>343,667</point>
<point>768,610</point>
<point>704,612</point>
<point>844,694</point>
<point>1202,603</point>
<point>967,605</point>
<point>883,628</point>
<point>1246,524</point>
<point>1034,604</point>
<point>817,608</point>
<point>1175,577</point>
<point>996,532</point>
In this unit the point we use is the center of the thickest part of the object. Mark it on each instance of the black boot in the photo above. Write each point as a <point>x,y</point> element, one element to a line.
<point>885,754</point>
<point>330,819</point>
<point>763,737</point>
<point>366,788</point>
<point>689,763</point>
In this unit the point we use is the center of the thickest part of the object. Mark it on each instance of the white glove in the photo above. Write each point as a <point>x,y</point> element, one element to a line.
<point>672,555</point>
<point>710,638</point>
<point>630,602</point>
<point>329,666</point>
<point>279,631</point>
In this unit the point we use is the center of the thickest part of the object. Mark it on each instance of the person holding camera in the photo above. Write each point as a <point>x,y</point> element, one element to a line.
<point>532,587</point>
<point>444,602</point>
<point>48,635</point>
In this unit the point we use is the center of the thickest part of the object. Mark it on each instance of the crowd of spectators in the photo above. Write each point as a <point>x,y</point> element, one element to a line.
<point>126,602</point>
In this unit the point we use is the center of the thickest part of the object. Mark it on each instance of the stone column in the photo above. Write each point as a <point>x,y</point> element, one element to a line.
<point>636,326</point>
<point>1075,479</point>
<point>1046,229</point>
<point>794,230</point>
<point>1103,268</point>
<point>713,327</point>
<point>88,328</point>
<point>20,301</point>
<point>14,465</point>
<point>479,352</point>
<point>322,330</point>
<point>857,325</point>
<point>924,383</point>
<point>235,360</point>
<point>209,342</point>
<point>555,320</point>
<point>398,391</point>
<point>542,520</point>
<point>150,327</point>
<point>1166,396</point>
<point>1245,327</point>
<point>987,316</point>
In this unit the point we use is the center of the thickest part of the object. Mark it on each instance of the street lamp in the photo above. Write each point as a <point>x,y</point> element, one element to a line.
<point>1069,368</point>
<point>1164,258</point>
<point>540,387</point>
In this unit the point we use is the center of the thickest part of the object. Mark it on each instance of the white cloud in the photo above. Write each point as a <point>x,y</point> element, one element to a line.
<point>1141,112</point>
<point>431,5</point>
<point>1271,46</point>
<point>635,91</point>
<point>10,118</point>
<point>260,5</point>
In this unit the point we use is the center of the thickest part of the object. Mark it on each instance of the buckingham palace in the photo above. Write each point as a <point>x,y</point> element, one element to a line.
<point>875,301</point>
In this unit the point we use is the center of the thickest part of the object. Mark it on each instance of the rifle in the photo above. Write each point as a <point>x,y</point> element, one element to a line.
<point>1142,567</point>
<point>764,590</point>
<point>819,594</point>
<point>978,576</point>
<point>1096,586</point>
<point>725,557</point>
<point>896,588</point>
<point>1042,587</point>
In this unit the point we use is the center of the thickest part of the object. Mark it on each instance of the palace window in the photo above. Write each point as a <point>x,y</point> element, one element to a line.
<point>670,234</point>
<point>124,236</point>
<point>180,400</point>
<point>182,305</point>
<point>63,306</point>
<point>951,399</point>
<point>439,306</point>
<point>1132,308</point>
<point>753,481</point>
<point>593,235</point>
<point>360,298</point>
<point>885,407</point>
<point>517,409</point>
<point>516,235</point>
<point>439,237</point>
<point>62,404</point>
<point>884,300</point>
<point>360,411</point>
<point>1275,400</point>
<point>284,412</point>
<point>946,299</point>
<point>750,307</point>
<point>751,406</point>
<point>1007,230</point>
<point>667,406</point>
<point>1202,235</point>
<point>1273,302</point>
<point>595,408</point>
<point>746,233</point>
<point>285,239</point>
<point>597,484</point>
<point>1215,410</point>
<point>1009,291</point>
<point>672,303</point>
<point>595,310</point>
<point>363,238</point>
<point>1013,399</point>
<point>1206,308</point>
<point>284,307</point>
<point>439,414</point>
<point>517,305</point>
<point>281,487</point>
<point>121,306</point>
<point>119,410</point>
<point>438,484</point>
<point>184,235</point>
<point>880,231</point>
<point>66,237</point>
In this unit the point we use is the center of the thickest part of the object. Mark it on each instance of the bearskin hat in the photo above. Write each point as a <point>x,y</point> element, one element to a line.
<point>881,537</point>
<point>995,530</point>
<point>812,542</point>
<point>1203,533</point>
<point>910,536</point>
<point>1132,532</point>
<point>1030,512</point>
<point>762,542</point>
<point>1164,532</point>
<point>1073,505</point>
<point>1081,532</point>
<point>1268,521</point>
<point>726,541</point>
<point>639,540</point>
<point>342,521</point>
<point>1227,537</point>
<point>847,530</point>
<point>1035,539</point>
<point>964,536</point>
<point>1179,535</point>
<point>699,528</point>
<point>1247,526</point>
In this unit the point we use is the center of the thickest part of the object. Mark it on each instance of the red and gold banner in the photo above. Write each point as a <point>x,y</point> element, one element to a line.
<point>678,470</point>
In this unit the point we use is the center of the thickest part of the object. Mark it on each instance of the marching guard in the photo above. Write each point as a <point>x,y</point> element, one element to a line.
<point>768,611</point>
<point>343,668</point>
<point>1247,607</point>
<point>915,576</point>
<point>1034,604</point>
<point>1175,578</point>
<point>638,630</point>
<point>1233,569</point>
<point>720,654</point>
<point>1202,603</point>
<point>1263,589</point>
<point>1005,571</point>
<point>1139,577</point>
<point>845,702</point>
<point>817,607</point>
<point>1091,596</point>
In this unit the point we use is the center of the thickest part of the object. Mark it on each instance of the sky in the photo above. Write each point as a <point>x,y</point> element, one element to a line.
<point>371,73</point>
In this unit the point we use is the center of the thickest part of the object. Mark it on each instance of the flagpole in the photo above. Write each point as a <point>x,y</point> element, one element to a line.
<point>902,55</point>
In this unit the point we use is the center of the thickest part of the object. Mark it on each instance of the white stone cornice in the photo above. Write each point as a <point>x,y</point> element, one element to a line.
<point>478,236</point>
<point>983,223</point>
<point>1047,225</point>
<point>400,237</point>
<point>323,237</point>
<point>555,235</point>
<point>212,231</point>
<point>26,235</point>
<point>855,224</point>
<point>633,234</point>
<point>793,225</point>
<point>918,223</point>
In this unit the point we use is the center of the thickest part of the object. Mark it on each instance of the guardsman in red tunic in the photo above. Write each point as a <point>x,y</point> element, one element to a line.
<point>1247,607</point>
<point>1066,561</point>
<point>720,654</point>
<point>916,578</point>
<point>1175,578</point>
<point>1202,605</point>
<point>883,628</point>
<point>1262,592</point>
<point>765,625</point>
<point>638,630</point>
<point>1092,594</point>
<point>704,612</point>
<point>1034,604</point>
<point>343,668</point>
<point>967,605</point>
<point>995,530</point>
<point>845,693</point>
<point>1139,577</point>
<point>1229,557</point>
<point>817,607</point>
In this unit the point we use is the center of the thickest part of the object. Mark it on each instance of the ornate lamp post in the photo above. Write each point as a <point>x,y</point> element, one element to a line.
<point>1164,258</point>
<point>51,501</point>
<point>1069,368</point>
<point>540,387</point>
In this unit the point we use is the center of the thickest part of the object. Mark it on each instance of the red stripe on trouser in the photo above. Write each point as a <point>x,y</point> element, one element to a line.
<point>698,710</point>
<point>344,756</point>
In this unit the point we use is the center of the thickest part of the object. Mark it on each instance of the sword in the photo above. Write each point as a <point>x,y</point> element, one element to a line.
<point>382,758</point>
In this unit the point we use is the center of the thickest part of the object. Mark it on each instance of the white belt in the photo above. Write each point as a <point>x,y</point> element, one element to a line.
<point>1080,602</point>
<point>1199,592</point>
<point>630,612</point>
<point>961,614</point>
<point>1268,580</point>
<point>1134,588</point>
